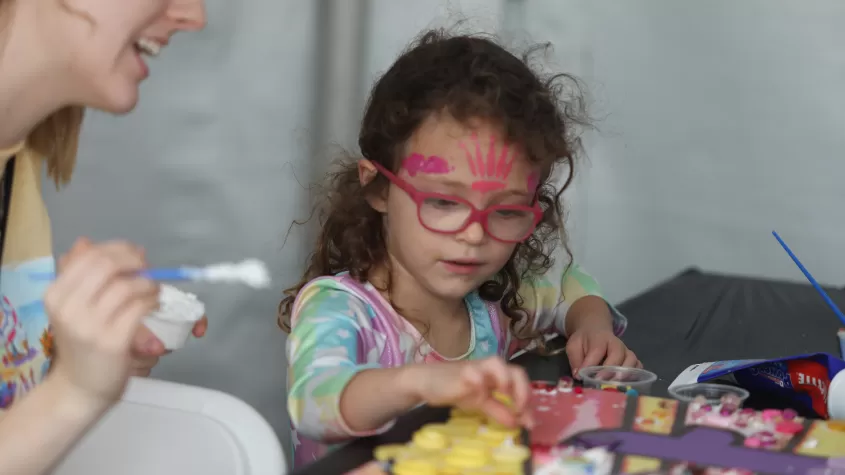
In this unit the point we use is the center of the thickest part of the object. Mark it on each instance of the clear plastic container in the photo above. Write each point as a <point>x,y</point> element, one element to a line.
<point>712,393</point>
<point>841,336</point>
<point>601,377</point>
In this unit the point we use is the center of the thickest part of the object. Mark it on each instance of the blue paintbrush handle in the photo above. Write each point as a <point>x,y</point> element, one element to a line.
<point>809,277</point>
<point>169,275</point>
<point>177,274</point>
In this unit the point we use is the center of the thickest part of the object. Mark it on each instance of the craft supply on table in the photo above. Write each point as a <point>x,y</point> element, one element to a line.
<point>174,321</point>
<point>647,434</point>
<point>467,443</point>
<point>587,431</point>
<point>812,280</point>
<point>840,335</point>
<point>251,272</point>
<point>709,393</point>
<point>802,381</point>
<point>636,380</point>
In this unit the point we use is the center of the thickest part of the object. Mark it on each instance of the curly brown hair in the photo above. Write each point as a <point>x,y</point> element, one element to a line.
<point>470,77</point>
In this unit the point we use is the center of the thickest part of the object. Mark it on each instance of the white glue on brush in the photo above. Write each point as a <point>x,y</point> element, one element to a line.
<point>251,272</point>
<point>173,322</point>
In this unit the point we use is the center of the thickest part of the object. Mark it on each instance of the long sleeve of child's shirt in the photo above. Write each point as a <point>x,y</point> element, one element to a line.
<point>548,298</point>
<point>329,344</point>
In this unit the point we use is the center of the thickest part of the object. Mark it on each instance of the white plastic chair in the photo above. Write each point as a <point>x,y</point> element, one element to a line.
<point>165,428</point>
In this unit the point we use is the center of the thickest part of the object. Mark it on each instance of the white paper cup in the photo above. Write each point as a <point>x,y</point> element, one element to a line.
<point>175,319</point>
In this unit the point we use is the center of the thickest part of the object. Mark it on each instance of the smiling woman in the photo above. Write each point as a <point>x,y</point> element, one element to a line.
<point>58,57</point>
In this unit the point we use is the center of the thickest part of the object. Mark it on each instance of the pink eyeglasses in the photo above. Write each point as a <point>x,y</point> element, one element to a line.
<point>447,214</point>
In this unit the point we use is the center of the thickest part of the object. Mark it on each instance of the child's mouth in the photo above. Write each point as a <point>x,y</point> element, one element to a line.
<point>462,267</point>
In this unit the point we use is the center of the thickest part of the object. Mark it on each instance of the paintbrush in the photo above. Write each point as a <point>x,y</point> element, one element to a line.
<point>809,277</point>
<point>251,272</point>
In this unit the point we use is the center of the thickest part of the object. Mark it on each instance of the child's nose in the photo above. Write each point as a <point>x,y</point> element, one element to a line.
<point>189,15</point>
<point>473,234</point>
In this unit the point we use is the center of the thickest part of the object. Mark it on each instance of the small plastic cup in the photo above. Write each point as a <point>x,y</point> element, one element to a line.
<point>173,322</point>
<point>712,393</point>
<point>623,379</point>
<point>841,336</point>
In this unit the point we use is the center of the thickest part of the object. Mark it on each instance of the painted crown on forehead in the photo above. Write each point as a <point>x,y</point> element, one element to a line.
<point>491,171</point>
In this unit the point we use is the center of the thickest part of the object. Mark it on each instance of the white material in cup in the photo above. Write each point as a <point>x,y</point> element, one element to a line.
<point>712,393</point>
<point>173,322</point>
<point>637,379</point>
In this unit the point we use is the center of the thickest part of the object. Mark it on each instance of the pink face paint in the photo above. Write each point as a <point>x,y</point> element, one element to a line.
<point>487,186</point>
<point>533,181</point>
<point>417,163</point>
<point>491,172</point>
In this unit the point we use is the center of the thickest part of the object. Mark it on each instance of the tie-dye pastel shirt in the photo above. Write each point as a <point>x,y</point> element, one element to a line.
<point>341,327</point>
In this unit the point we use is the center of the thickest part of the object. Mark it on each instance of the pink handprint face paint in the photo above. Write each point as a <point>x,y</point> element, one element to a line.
<point>418,163</point>
<point>489,169</point>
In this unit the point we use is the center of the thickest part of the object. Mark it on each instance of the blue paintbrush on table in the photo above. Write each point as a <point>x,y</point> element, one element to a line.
<point>841,333</point>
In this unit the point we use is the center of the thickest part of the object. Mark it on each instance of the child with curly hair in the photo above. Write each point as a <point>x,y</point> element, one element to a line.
<point>431,266</point>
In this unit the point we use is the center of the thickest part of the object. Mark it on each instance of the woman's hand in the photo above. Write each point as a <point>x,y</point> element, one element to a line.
<point>147,348</point>
<point>95,307</point>
<point>474,385</point>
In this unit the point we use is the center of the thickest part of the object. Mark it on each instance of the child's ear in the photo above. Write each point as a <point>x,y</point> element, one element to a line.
<point>366,174</point>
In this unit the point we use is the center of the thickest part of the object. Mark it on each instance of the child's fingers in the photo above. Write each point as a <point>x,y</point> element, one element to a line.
<point>473,385</point>
<point>499,377</point>
<point>521,389</point>
<point>616,353</point>
<point>631,360</point>
<point>511,381</point>
<point>595,356</point>
<point>575,353</point>
<point>500,412</point>
<point>522,396</point>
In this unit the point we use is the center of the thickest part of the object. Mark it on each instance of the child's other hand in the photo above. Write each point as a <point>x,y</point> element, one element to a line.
<point>597,345</point>
<point>473,384</point>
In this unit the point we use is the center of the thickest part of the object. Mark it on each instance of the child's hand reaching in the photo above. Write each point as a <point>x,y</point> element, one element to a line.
<point>592,345</point>
<point>473,385</point>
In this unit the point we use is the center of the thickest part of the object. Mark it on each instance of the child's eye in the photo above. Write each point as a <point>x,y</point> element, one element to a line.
<point>441,203</point>
<point>511,213</point>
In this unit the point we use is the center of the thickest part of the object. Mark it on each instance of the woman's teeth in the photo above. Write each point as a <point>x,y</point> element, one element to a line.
<point>148,47</point>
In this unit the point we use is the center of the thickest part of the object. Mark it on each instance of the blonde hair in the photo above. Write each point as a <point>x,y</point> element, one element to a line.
<point>56,139</point>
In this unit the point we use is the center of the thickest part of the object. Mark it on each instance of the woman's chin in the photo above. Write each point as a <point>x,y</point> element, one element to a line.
<point>123,104</point>
<point>118,100</point>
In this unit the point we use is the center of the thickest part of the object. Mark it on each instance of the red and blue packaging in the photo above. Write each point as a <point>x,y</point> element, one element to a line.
<point>800,382</point>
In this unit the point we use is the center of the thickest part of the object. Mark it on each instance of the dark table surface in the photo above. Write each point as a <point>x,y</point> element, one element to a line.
<point>692,318</point>
<point>697,317</point>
